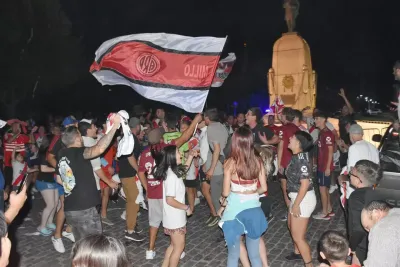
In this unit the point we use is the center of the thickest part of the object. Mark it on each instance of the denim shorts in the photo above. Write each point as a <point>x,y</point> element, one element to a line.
<point>40,185</point>
<point>323,180</point>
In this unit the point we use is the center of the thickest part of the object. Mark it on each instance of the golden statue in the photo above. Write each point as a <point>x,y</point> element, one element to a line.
<point>291,12</point>
<point>291,77</point>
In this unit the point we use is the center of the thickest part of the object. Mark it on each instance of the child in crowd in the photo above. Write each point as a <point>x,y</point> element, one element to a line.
<point>334,248</point>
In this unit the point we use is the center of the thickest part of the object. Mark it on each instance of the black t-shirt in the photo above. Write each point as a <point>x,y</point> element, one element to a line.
<point>79,182</point>
<point>47,177</point>
<point>298,169</point>
<point>56,146</point>
<point>125,168</point>
<point>261,129</point>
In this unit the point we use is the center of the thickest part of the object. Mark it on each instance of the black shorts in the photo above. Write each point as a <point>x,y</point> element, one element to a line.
<point>202,176</point>
<point>282,175</point>
<point>8,175</point>
<point>190,183</point>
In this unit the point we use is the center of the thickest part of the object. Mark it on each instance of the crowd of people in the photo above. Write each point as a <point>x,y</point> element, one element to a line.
<point>162,161</point>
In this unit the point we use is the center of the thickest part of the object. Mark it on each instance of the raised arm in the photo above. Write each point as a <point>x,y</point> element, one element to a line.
<point>98,149</point>
<point>189,132</point>
<point>346,101</point>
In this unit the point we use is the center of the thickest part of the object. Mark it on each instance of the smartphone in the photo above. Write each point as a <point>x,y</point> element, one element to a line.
<point>23,183</point>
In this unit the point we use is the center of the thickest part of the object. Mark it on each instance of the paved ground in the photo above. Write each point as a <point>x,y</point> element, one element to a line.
<point>201,249</point>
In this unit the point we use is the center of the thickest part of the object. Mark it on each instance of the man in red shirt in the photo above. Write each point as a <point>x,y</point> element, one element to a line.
<point>286,131</point>
<point>13,140</point>
<point>326,142</point>
<point>160,115</point>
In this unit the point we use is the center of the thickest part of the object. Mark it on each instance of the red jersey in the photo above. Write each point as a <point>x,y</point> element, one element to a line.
<point>155,123</point>
<point>326,139</point>
<point>18,144</point>
<point>274,128</point>
<point>109,157</point>
<point>285,133</point>
<point>146,165</point>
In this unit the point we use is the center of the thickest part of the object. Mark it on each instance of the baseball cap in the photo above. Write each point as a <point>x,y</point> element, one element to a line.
<point>87,121</point>
<point>154,136</point>
<point>133,122</point>
<point>69,120</point>
<point>356,129</point>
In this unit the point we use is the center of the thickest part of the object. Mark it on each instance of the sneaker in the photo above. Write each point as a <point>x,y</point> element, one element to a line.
<point>183,255</point>
<point>331,214</point>
<point>196,201</point>
<point>333,188</point>
<point>209,219</point>
<point>45,232</point>
<point>134,236</point>
<point>150,254</point>
<point>58,244</point>
<point>123,215</point>
<point>293,257</point>
<point>270,218</point>
<point>106,221</point>
<point>284,218</point>
<point>321,216</point>
<point>214,221</point>
<point>138,229</point>
<point>70,236</point>
<point>51,226</point>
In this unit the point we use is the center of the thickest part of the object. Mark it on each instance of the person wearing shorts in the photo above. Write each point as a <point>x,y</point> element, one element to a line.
<point>326,143</point>
<point>301,194</point>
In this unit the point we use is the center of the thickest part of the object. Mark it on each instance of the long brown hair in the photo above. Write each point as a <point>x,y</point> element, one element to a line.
<point>247,162</point>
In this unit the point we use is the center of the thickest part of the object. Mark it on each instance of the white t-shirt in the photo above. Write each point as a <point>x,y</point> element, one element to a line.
<point>191,173</point>
<point>173,187</point>
<point>96,162</point>
<point>18,167</point>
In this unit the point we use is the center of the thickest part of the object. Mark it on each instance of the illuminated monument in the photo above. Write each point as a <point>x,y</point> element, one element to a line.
<point>291,77</point>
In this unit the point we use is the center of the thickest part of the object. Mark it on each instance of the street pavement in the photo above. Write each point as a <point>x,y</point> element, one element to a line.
<point>202,248</point>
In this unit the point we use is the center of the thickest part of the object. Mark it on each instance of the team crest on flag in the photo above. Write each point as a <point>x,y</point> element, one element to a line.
<point>169,68</point>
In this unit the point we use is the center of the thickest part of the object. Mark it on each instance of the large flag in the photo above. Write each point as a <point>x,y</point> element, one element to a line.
<point>169,68</point>
<point>224,68</point>
<point>277,106</point>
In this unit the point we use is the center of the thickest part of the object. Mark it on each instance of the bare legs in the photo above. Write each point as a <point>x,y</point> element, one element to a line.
<point>325,199</point>
<point>191,196</point>
<point>298,229</point>
<point>105,193</point>
<point>205,189</point>
<point>175,249</point>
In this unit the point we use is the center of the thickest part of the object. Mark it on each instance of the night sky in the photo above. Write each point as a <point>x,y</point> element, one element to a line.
<point>354,45</point>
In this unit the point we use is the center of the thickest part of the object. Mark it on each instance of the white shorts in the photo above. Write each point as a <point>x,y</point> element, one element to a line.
<point>307,205</point>
<point>155,212</point>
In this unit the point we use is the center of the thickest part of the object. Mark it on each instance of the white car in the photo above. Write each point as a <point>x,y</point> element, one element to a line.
<point>374,111</point>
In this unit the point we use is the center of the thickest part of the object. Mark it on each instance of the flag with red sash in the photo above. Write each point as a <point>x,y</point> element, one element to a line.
<point>169,68</point>
<point>21,176</point>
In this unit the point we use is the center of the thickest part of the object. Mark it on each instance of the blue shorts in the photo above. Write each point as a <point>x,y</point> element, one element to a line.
<point>60,189</point>
<point>40,185</point>
<point>323,180</point>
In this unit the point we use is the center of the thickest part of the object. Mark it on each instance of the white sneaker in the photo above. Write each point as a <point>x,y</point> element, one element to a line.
<point>150,254</point>
<point>183,255</point>
<point>196,201</point>
<point>70,236</point>
<point>123,215</point>
<point>58,244</point>
<point>332,188</point>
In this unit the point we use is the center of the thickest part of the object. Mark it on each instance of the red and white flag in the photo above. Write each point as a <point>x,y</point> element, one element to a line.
<point>169,68</point>
<point>224,68</point>
<point>277,106</point>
